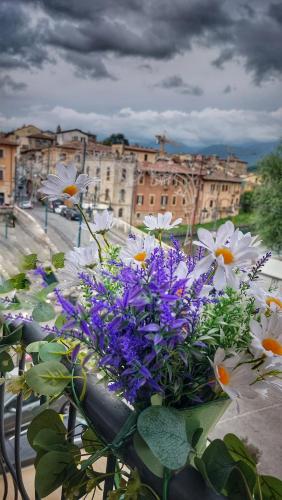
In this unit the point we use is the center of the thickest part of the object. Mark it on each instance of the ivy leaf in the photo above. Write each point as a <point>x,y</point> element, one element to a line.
<point>271,488</point>
<point>48,419</point>
<point>43,312</point>
<point>237,449</point>
<point>218,464</point>
<point>91,442</point>
<point>29,262</point>
<point>48,379</point>
<point>6,362</point>
<point>50,440</point>
<point>163,430</point>
<point>51,350</point>
<point>241,481</point>
<point>58,260</point>
<point>51,471</point>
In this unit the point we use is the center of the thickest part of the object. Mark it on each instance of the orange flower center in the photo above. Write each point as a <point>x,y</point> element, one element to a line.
<point>141,256</point>
<point>179,292</point>
<point>223,375</point>
<point>71,190</point>
<point>227,255</point>
<point>274,300</point>
<point>272,345</point>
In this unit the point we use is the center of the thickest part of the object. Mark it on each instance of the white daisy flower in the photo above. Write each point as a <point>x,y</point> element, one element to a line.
<point>161,222</point>
<point>103,222</point>
<point>271,371</point>
<point>264,299</point>
<point>138,250</point>
<point>234,378</point>
<point>83,256</point>
<point>68,276</point>
<point>229,250</point>
<point>65,184</point>
<point>267,335</point>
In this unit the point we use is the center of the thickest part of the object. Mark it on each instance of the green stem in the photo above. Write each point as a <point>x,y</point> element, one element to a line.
<point>166,480</point>
<point>91,232</point>
<point>105,240</point>
<point>259,488</point>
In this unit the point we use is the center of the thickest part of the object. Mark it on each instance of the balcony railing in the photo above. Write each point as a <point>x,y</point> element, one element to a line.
<point>107,414</point>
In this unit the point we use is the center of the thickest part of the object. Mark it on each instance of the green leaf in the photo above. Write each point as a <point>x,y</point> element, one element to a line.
<point>53,350</point>
<point>164,431</point>
<point>58,260</point>
<point>196,436</point>
<point>50,440</point>
<point>43,294</point>
<point>48,379</point>
<point>11,339</point>
<point>29,262</point>
<point>241,482</point>
<point>7,286</point>
<point>218,464</point>
<point>6,362</point>
<point>48,419</point>
<point>271,488</point>
<point>91,442</point>
<point>51,470</point>
<point>34,346</point>
<point>60,321</point>
<point>238,450</point>
<point>20,281</point>
<point>43,312</point>
<point>147,457</point>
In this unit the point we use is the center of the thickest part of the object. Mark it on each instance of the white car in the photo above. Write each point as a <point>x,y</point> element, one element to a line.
<point>59,209</point>
<point>26,204</point>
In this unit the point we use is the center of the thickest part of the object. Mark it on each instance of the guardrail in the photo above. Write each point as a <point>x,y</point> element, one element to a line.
<point>107,414</point>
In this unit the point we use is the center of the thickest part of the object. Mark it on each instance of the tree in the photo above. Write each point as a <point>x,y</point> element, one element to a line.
<point>268,200</point>
<point>247,201</point>
<point>116,139</point>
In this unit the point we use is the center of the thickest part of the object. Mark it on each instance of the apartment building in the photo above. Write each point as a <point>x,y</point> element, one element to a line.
<point>7,170</point>
<point>138,152</point>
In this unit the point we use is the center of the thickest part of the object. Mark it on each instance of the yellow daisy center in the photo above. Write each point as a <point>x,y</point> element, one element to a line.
<point>223,375</point>
<point>71,190</point>
<point>179,292</point>
<point>226,253</point>
<point>141,256</point>
<point>274,300</point>
<point>272,345</point>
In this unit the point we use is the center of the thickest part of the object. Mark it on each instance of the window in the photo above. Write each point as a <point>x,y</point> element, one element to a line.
<point>140,199</point>
<point>98,171</point>
<point>107,195</point>
<point>145,157</point>
<point>1,175</point>
<point>1,153</point>
<point>183,201</point>
<point>212,187</point>
<point>122,195</point>
<point>174,182</point>
<point>174,200</point>
<point>211,203</point>
<point>138,215</point>
<point>164,200</point>
<point>152,199</point>
<point>63,156</point>
<point>75,137</point>
<point>108,174</point>
<point>123,174</point>
<point>2,198</point>
<point>141,179</point>
<point>120,212</point>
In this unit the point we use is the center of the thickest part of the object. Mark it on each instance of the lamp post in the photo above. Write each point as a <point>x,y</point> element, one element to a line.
<point>81,194</point>
<point>46,202</point>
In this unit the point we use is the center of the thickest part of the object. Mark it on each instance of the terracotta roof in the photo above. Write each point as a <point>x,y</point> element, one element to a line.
<point>7,142</point>
<point>222,178</point>
<point>40,136</point>
<point>163,166</point>
<point>139,148</point>
<point>76,130</point>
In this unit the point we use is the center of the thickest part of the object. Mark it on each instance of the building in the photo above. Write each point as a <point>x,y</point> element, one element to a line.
<point>138,152</point>
<point>251,180</point>
<point>7,170</point>
<point>75,134</point>
<point>193,192</point>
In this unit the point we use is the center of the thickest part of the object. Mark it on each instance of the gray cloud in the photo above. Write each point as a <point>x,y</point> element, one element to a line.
<point>7,83</point>
<point>87,32</point>
<point>227,89</point>
<point>176,82</point>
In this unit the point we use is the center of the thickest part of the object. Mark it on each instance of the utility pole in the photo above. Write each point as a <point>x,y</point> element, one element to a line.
<point>198,183</point>
<point>81,194</point>
<point>46,203</point>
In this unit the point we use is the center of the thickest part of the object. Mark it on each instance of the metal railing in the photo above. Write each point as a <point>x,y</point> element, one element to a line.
<point>108,414</point>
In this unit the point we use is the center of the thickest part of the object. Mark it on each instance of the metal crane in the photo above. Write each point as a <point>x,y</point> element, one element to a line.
<point>162,140</point>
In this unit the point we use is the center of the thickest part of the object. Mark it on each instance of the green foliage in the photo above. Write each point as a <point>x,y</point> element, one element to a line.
<point>10,338</point>
<point>58,260</point>
<point>6,362</point>
<point>48,379</point>
<point>91,442</point>
<point>247,201</point>
<point>230,469</point>
<point>51,351</point>
<point>18,282</point>
<point>51,471</point>
<point>268,201</point>
<point>48,419</point>
<point>29,262</point>
<point>164,431</point>
<point>115,139</point>
<point>42,312</point>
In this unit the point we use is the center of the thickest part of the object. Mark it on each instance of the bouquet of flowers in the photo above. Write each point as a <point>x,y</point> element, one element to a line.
<point>176,336</point>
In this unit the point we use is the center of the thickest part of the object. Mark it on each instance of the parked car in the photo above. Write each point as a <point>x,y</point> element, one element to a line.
<point>26,204</point>
<point>59,209</point>
<point>72,214</point>
<point>63,212</point>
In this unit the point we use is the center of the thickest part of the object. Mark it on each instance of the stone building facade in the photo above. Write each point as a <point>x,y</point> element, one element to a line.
<point>7,170</point>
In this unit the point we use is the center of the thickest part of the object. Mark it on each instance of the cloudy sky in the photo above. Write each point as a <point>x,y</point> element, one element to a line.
<point>204,71</point>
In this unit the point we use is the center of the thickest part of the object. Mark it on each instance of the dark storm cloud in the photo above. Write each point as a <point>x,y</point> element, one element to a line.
<point>21,44</point>
<point>85,32</point>
<point>7,83</point>
<point>227,89</point>
<point>177,83</point>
